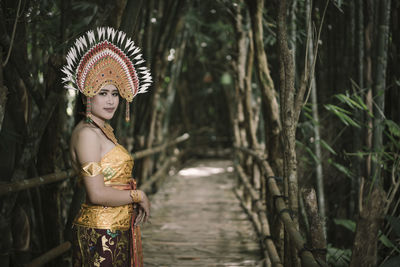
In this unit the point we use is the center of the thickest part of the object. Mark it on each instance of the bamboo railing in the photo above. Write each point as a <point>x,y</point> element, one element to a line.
<point>157,149</point>
<point>36,181</point>
<point>50,255</point>
<point>255,202</point>
<point>60,176</point>
<point>258,216</point>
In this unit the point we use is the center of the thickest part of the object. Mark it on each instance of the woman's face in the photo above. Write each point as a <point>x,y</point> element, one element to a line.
<point>105,103</point>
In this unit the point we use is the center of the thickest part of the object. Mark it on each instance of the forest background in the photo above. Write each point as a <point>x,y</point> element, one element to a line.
<point>326,118</point>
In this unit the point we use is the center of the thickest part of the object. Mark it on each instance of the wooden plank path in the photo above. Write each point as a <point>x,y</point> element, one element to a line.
<point>196,220</point>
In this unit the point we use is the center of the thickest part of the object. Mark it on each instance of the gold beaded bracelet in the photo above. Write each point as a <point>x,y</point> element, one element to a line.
<point>135,195</point>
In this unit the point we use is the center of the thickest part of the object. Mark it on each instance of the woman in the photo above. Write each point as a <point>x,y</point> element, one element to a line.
<point>104,67</point>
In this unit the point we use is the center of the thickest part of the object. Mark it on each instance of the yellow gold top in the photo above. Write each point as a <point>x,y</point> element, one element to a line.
<point>116,166</point>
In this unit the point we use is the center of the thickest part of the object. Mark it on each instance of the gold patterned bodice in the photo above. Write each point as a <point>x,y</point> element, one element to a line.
<point>116,166</point>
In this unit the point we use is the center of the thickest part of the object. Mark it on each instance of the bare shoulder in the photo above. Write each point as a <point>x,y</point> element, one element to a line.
<point>85,143</point>
<point>83,132</point>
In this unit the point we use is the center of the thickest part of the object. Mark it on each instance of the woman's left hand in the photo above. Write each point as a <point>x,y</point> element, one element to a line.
<point>140,217</point>
<point>143,209</point>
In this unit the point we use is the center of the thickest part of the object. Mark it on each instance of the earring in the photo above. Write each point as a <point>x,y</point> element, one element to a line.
<point>127,115</point>
<point>88,109</point>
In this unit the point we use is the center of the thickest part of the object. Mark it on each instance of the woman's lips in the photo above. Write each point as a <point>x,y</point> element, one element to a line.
<point>109,110</point>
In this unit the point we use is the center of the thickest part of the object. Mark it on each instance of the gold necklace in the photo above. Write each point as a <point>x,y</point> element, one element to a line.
<point>107,130</point>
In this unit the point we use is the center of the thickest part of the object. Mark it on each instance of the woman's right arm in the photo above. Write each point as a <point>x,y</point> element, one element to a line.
<point>87,149</point>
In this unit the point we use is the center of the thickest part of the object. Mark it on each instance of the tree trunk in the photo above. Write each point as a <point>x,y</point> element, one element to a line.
<point>292,101</point>
<point>175,75</point>
<point>316,123</point>
<point>379,90</point>
<point>369,37</point>
<point>317,234</point>
<point>130,18</point>
<point>49,152</point>
<point>3,90</point>
<point>289,123</point>
<point>272,123</point>
<point>358,67</point>
<point>293,32</point>
<point>251,125</point>
<point>115,16</point>
<point>244,67</point>
<point>156,39</point>
<point>370,219</point>
<point>182,93</point>
<point>240,69</point>
<point>371,216</point>
<point>172,19</point>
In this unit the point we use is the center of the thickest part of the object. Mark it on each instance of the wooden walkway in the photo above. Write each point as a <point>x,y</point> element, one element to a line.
<point>196,220</point>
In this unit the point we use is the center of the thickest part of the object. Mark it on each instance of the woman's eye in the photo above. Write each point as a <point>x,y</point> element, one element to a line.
<point>102,93</point>
<point>115,94</point>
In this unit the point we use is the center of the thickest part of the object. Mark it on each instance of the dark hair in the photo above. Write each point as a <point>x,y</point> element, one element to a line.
<point>80,108</point>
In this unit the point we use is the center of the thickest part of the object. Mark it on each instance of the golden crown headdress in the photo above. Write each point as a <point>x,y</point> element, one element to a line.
<point>104,57</point>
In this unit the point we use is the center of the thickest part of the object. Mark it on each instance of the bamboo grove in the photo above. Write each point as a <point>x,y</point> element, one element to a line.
<point>311,87</point>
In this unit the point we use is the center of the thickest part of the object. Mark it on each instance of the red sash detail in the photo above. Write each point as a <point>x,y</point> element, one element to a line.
<point>136,245</point>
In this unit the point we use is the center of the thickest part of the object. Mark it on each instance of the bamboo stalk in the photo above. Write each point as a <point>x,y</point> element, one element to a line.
<point>50,255</point>
<point>36,181</point>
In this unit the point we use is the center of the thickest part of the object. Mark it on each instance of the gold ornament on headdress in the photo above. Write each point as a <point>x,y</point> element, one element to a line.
<point>108,57</point>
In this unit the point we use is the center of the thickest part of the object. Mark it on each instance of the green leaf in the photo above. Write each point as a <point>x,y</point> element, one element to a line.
<point>342,115</point>
<point>394,142</point>
<point>338,257</point>
<point>392,262</point>
<point>342,169</point>
<point>347,100</point>
<point>311,154</point>
<point>348,224</point>
<point>307,108</point>
<point>337,109</point>
<point>386,241</point>
<point>343,99</point>
<point>361,102</point>
<point>347,120</point>
<point>393,127</point>
<point>327,147</point>
<point>308,115</point>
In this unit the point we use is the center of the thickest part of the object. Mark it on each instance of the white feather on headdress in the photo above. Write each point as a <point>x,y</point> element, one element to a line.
<point>88,42</point>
